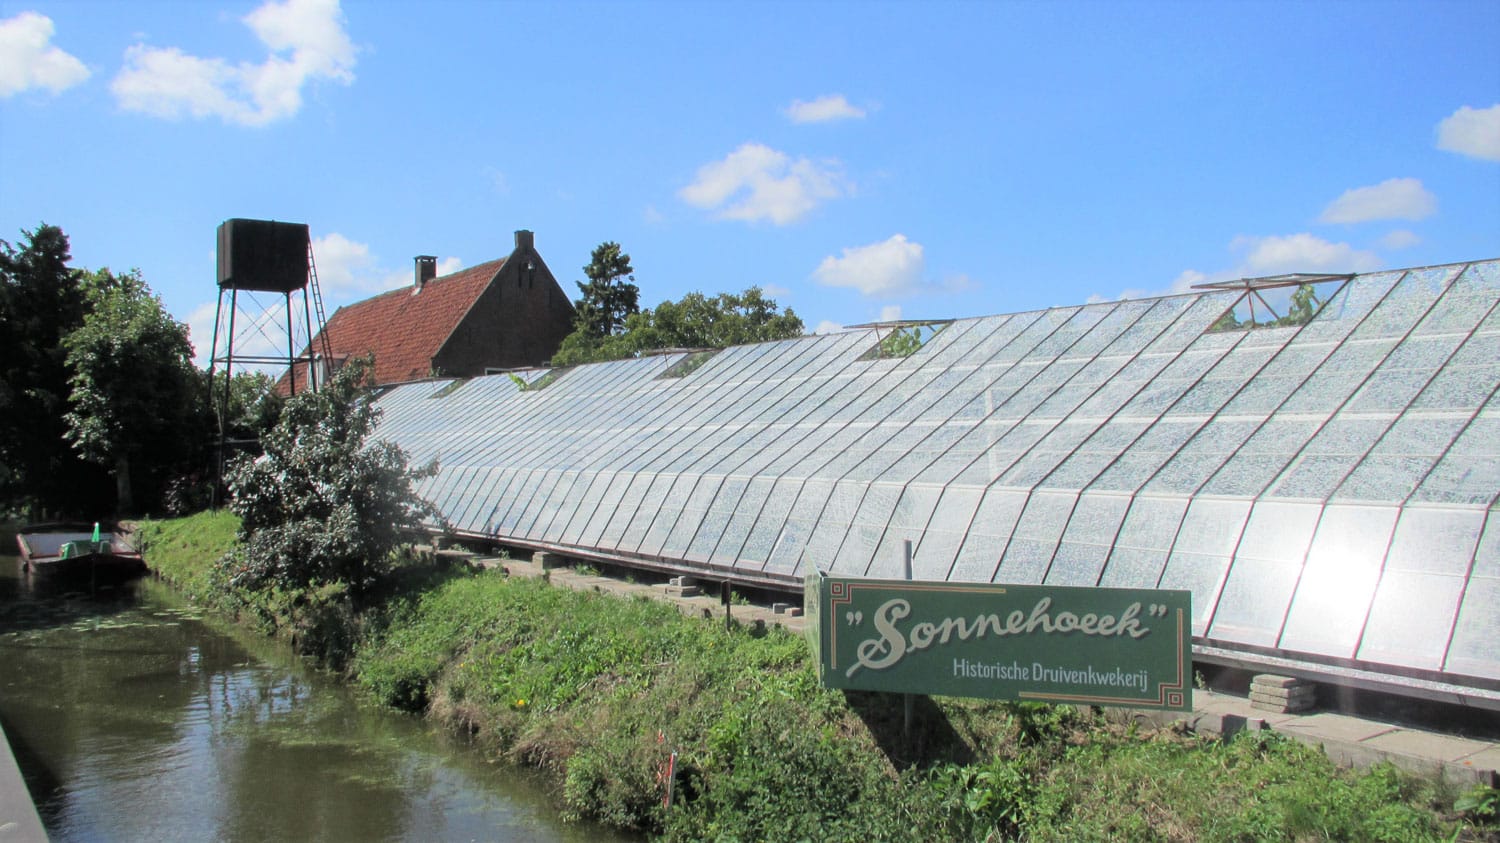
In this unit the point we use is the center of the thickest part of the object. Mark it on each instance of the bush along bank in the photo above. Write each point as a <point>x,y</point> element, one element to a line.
<point>600,692</point>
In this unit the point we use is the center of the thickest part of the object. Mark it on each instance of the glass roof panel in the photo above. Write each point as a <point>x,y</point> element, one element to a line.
<point>1338,582</point>
<point>1253,602</point>
<point>1397,635</point>
<point>988,533</point>
<point>1475,648</point>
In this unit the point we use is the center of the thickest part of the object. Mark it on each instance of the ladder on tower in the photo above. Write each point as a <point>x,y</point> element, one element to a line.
<point>322,323</point>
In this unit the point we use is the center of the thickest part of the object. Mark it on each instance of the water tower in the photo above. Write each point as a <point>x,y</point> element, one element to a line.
<point>262,266</point>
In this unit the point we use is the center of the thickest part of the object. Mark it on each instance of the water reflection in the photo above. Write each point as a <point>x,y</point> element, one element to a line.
<point>134,719</point>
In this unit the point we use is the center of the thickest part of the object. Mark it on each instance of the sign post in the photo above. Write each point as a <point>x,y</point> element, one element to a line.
<point>1086,646</point>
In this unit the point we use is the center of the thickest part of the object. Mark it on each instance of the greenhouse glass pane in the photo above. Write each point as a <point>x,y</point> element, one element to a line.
<point>856,555</point>
<point>1263,395</point>
<point>1355,299</point>
<point>786,554</point>
<point>1475,650</point>
<point>1108,399</point>
<point>955,510</point>
<point>1202,575</point>
<point>741,521</point>
<point>1423,354</point>
<point>1132,469</point>
<point>1026,561</point>
<point>1077,564</point>
<point>570,525</point>
<point>1314,477</point>
<point>1254,601</point>
<point>1037,533</point>
<point>1212,527</point>
<point>1469,473</point>
<point>1419,434</point>
<point>908,522</point>
<point>1487,557</point>
<point>1079,470</point>
<point>1096,519</point>
<point>609,504</point>
<point>647,512</point>
<point>1387,392</point>
<point>1152,523</point>
<point>1407,303</point>
<point>695,512</point>
<point>1462,389</point>
<point>1130,567</point>
<point>1411,619</point>
<point>769,523</point>
<point>626,512</point>
<point>1338,582</point>
<point>935,554</point>
<point>1482,350</point>
<point>1435,541</point>
<point>988,533</point>
<point>1384,478</point>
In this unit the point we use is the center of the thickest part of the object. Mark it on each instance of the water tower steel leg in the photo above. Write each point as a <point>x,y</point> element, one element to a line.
<point>291,347</point>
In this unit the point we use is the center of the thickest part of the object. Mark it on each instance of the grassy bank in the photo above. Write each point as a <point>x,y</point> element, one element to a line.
<point>600,691</point>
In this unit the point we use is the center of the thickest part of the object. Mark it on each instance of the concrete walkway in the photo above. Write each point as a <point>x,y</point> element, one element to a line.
<point>1351,741</point>
<point>19,822</point>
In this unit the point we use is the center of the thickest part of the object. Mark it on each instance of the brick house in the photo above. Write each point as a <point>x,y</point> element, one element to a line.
<point>501,314</point>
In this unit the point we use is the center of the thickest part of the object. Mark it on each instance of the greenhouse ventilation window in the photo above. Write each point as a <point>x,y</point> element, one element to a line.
<point>901,338</point>
<point>1274,301</point>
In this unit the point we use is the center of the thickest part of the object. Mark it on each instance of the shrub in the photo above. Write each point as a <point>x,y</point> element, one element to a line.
<point>321,505</point>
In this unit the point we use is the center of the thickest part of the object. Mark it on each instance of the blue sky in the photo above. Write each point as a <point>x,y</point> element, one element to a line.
<point>860,161</point>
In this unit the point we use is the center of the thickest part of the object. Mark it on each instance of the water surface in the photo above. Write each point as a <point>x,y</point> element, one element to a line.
<point>135,718</point>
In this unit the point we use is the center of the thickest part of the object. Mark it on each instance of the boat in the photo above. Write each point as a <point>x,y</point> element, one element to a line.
<point>73,551</point>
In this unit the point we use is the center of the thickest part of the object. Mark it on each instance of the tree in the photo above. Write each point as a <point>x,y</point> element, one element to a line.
<point>695,321</point>
<point>322,506</point>
<point>136,399</point>
<point>607,300</point>
<point>41,301</point>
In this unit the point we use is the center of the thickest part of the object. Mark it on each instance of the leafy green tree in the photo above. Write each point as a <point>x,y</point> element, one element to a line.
<point>1303,305</point>
<point>610,296</point>
<point>41,301</point>
<point>254,405</point>
<point>695,321</point>
<point>323,506</point>
<point>136,400</point>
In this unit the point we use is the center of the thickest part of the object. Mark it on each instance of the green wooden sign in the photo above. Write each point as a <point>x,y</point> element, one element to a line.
<point>1086,646</point>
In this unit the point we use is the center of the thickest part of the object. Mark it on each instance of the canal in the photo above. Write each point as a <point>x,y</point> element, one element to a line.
<point>135,718</point>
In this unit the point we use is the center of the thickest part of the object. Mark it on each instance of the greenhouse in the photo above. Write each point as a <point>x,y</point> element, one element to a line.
<point>1317,458</point>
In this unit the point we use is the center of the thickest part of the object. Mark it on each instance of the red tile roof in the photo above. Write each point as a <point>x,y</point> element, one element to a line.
<point>404,328</point>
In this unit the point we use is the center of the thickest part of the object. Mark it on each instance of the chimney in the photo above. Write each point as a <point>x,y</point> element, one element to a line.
<point>426,271</point>
<point>524,240</point>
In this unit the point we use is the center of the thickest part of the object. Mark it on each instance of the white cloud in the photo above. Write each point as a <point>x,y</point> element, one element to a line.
<point>1400,239</point>
<point>890,313</point>
<point>1273,255</point>
<point>823,110</point>
<point>775,291</point>
<point>28,60</point>
<point>1392,199</point>
<point>1474,132</point>
<point>305,40</point>
<point>892,267</point>
<point>828,327</point>
<point>341,263</point>
<point>1300,253</point>
<point>756,182</point>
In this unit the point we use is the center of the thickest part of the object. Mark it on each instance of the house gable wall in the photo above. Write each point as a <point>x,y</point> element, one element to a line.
<point>519,320</point>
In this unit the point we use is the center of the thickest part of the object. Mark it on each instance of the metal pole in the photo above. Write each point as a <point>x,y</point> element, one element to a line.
<point>908,702</point>
<point>291,348</point>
